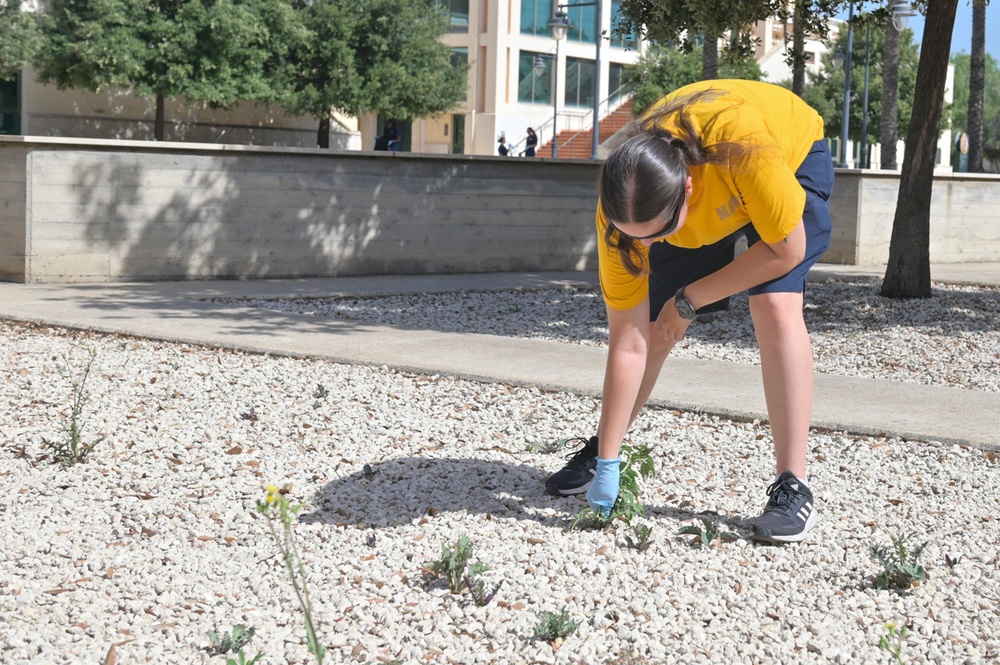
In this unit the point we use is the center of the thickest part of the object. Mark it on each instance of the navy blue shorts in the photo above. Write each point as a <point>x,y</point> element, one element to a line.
<point>673,267</point>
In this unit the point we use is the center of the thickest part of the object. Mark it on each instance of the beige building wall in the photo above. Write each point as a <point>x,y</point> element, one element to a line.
<point>118,114</point>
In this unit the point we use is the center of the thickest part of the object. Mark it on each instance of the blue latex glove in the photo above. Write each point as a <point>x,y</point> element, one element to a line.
<point>603,490</point>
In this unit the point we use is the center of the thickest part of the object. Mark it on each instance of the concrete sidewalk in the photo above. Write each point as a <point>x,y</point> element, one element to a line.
<point>178,311</point>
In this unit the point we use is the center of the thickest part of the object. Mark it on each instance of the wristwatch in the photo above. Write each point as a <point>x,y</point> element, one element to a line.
<point>683,305</point>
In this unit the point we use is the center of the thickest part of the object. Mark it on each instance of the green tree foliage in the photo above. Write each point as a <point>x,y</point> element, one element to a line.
<point>825,91</point>
<point>685,22</point>
<point>20,38</point>
<point>662,70</point>
<point>991,108</point>
<point>381,56</point>
<point>218,52</point>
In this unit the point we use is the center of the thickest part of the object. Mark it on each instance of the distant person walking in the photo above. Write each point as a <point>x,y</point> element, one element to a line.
<point>391,136</point>
<point>530,143</point>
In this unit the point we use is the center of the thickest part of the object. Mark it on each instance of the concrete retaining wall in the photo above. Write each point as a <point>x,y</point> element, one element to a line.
<point>964,219</point>
<point>123,210</point>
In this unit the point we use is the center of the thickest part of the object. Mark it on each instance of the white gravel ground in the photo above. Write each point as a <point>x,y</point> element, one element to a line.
<point>154,541</point>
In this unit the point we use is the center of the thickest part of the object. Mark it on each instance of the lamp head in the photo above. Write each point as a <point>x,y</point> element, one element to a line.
<point>901,11</point>
<point>560,24</point>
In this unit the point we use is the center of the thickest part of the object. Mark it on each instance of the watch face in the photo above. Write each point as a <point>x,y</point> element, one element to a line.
<point>684,308</point>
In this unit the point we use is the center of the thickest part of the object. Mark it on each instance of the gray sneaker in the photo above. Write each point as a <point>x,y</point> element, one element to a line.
<point>789,513</point>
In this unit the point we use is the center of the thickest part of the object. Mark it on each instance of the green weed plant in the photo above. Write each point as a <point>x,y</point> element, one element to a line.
<point>72,449</point>
<point>900,563</point>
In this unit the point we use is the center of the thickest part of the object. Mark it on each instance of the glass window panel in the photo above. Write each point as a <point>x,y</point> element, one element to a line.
<point>628,41</point>
<point>583,19</point>
<point>535,17</point>
<point>579,82</point>
<point>460,60</point>
<point>533,87</point>
<point>458,14</point>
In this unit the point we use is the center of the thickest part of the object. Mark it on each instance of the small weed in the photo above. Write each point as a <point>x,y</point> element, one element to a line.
<point>900,567</point>
<point>642,541</point>
<point>454,565</point>
<point>707,533</point>
<point>555,627</point>
<point>893,640</point>
<point>951,561</point>
<point>235,640</point>
<point>515,309</point>
<point>320,391</point>
<point>280,518</point>
<point>480,596</point>
<point>242,660</point>
<point>73,449</point>
<point>368,472</point>
<point>250,415</point>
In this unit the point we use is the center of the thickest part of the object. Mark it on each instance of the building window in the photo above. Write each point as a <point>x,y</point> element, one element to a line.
<point>458,14</point>
<point>535,17</point>
<point>10,107</point>
<point>460,60</point>
<point>615,73</point>
<point>579,82</point>
<point>534,79</point>
<point>628,41</point>
<point>583,19</point>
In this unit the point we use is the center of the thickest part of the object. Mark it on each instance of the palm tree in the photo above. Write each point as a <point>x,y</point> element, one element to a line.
<point>889,127</point>
<point>977,85</point>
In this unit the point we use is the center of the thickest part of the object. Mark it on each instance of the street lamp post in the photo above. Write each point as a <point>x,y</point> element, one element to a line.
<point>863,159</point>
<point>560,25</point>
<point>845,122</point>
<point>597,66</point>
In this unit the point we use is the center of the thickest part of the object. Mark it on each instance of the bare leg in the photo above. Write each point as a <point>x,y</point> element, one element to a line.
<point>787,367</point>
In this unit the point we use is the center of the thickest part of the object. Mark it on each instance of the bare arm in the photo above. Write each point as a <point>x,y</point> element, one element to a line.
<point>628,346</point>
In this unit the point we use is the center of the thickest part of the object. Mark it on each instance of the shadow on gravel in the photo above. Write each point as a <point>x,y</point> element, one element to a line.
<point>398,491</point>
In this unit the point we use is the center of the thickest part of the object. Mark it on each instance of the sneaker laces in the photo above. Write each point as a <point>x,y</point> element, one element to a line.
<point>782,495</point>
<point>578,456</point>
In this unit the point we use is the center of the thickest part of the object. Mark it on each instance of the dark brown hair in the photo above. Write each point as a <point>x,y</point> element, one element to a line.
<point>646,175</point>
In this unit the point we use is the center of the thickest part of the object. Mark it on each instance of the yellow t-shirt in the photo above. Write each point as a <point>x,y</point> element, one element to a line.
<point>779,129</point>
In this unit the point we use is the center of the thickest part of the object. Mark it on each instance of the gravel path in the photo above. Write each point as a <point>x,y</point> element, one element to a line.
<point>952,339</point>
<point>154,541</point>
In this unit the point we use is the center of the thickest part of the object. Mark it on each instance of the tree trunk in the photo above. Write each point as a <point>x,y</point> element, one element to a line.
<point>799,49</point>
<point>710,58</point>
<point>323,134</point>
<point>977,84</point>
<point>889,129</point>
<point>908,274</point>
<point>158,122</point>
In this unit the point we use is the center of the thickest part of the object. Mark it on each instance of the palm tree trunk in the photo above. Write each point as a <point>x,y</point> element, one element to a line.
<point>710,58</point>
<point>799,49</point>
<point>908,274</point>
<point>977,84</point>
<point>158,122</point>
<point>889,127</point>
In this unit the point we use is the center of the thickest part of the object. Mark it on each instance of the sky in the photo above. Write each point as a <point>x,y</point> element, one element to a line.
<point>961,37</point>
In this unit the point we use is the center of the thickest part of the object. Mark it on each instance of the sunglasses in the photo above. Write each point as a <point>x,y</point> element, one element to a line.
<point>667,228</point>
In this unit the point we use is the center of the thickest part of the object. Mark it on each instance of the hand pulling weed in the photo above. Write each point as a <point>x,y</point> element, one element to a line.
<point>275,507</point>
<point>637,463</point>
<point>72,449</point>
